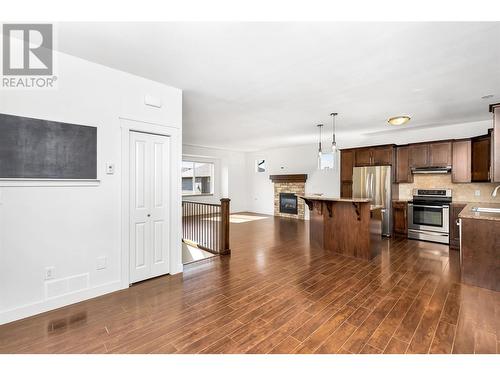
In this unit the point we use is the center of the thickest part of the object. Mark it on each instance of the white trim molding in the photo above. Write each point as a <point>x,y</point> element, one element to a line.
<point>44,182</point>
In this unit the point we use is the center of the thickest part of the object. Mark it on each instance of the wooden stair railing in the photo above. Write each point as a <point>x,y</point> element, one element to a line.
<point>206,225</point>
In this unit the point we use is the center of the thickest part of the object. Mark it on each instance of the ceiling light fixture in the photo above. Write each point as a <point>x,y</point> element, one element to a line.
<point>399,120</point>
<point>334,143</point>
<point>319,146</point>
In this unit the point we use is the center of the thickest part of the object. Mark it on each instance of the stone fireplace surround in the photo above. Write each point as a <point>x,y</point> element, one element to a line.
<point>289,183</point>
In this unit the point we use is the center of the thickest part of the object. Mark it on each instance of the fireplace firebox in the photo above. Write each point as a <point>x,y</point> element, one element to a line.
<point>288,203</point>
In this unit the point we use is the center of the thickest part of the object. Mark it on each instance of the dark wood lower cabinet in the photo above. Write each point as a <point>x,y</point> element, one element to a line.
<point>455,209</point>
<point>400,218</point>
<point>481,253</point>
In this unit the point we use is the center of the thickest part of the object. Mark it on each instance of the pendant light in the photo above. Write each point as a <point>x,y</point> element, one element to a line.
<point>334,143</point>
<point>319,146</point>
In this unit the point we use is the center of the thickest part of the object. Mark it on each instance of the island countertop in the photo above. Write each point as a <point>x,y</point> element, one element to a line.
<point>467,212</point>
<point>334,199</point>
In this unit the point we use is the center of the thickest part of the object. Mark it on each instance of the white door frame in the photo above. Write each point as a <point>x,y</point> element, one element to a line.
<point>127,125</point>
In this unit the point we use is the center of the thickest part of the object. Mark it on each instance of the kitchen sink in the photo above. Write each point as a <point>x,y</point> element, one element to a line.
<point>486,210</point>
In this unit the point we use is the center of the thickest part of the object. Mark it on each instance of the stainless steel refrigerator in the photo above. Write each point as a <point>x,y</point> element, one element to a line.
<point>375,183</point>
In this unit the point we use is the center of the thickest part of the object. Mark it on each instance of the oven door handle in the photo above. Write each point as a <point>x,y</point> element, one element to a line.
<point>420,205</point>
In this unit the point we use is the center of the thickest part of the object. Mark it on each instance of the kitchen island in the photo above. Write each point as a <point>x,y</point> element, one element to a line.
<point>350,227</point>
<point>480,246</point>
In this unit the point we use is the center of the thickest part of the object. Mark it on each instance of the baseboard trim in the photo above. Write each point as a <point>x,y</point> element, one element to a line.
<point>36,308</point>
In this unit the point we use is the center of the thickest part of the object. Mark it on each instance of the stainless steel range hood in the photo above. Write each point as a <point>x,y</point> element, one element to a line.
<point>431,170</point>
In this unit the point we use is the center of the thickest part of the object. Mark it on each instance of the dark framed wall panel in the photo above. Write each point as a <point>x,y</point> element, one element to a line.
<point>40,149</point>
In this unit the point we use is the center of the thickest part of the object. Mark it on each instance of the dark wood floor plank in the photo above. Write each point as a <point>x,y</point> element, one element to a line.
<point>309,345</point>
<point>443,338</point>
<point>451,309</point>
<point>385,330</point>
<point>412,318</point>
<point>359,316</point>
<point>334,342</point>
<point>276,293</point>
<point>368,349</point>
<point>360,337</point>
<point>286,346</point>
<point>422,338</point>
<point>485,342</point>
<point>464,337</point>
<point>396,346</point>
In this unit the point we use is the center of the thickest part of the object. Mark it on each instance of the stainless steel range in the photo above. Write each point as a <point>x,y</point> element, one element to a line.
<point>429,215</point>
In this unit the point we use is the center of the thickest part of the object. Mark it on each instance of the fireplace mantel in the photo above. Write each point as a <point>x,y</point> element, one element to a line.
<point>288,178</point>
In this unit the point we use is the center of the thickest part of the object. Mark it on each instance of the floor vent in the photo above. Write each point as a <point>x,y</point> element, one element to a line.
<point>67,285</point>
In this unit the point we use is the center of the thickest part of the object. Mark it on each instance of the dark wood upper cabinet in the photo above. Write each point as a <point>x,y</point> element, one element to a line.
<point>470,159</point>
<point>461,161</point>
<point>346,164</point>
<point>403,171</point>
<point>440,154</point>
<point>433,154</point>
<point>495,143</point>
<point>480,158</point>
<point>346,189</point>
<point>419,155</point>
<point>382,155</point>
<point>363,157</point>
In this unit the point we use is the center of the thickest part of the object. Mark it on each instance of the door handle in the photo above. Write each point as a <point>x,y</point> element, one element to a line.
<point>424,206</point>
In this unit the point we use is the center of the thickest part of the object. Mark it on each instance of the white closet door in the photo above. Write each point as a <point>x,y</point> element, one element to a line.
<point>149,211</point>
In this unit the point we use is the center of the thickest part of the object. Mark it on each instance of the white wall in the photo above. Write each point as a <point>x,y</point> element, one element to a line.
<point>303,159</point>
<point>229,175</point>
<point>290,160</point>
<point>69,227</point>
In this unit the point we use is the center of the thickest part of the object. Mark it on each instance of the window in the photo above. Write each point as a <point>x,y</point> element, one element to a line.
<point>327,161</point>
<point>197,178</point>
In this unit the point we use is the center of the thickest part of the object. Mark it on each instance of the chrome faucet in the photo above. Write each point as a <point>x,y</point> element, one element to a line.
<point>494,193</point>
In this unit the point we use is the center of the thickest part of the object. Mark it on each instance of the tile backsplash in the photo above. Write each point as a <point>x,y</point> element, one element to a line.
<point>460,192</point>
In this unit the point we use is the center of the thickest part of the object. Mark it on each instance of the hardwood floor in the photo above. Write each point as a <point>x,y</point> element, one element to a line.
<point>276,294</point>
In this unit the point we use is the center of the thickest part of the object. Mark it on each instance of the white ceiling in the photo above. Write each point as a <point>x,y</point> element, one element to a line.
<point>252,86</point>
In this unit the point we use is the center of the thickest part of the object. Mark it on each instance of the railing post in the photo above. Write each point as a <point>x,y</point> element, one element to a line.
<point>224,230</point>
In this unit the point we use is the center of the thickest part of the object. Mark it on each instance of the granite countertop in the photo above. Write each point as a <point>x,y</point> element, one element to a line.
<point>467,212</point>
<point>333,199</point>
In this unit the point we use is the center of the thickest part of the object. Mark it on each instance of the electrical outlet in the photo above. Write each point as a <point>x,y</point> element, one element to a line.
<point>101,263</point>
<point>477,193</point>
<point>50,272</point>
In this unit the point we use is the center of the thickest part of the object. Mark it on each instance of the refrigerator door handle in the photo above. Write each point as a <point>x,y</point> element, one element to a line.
<point>367,186</point>
<point>371,186</point>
